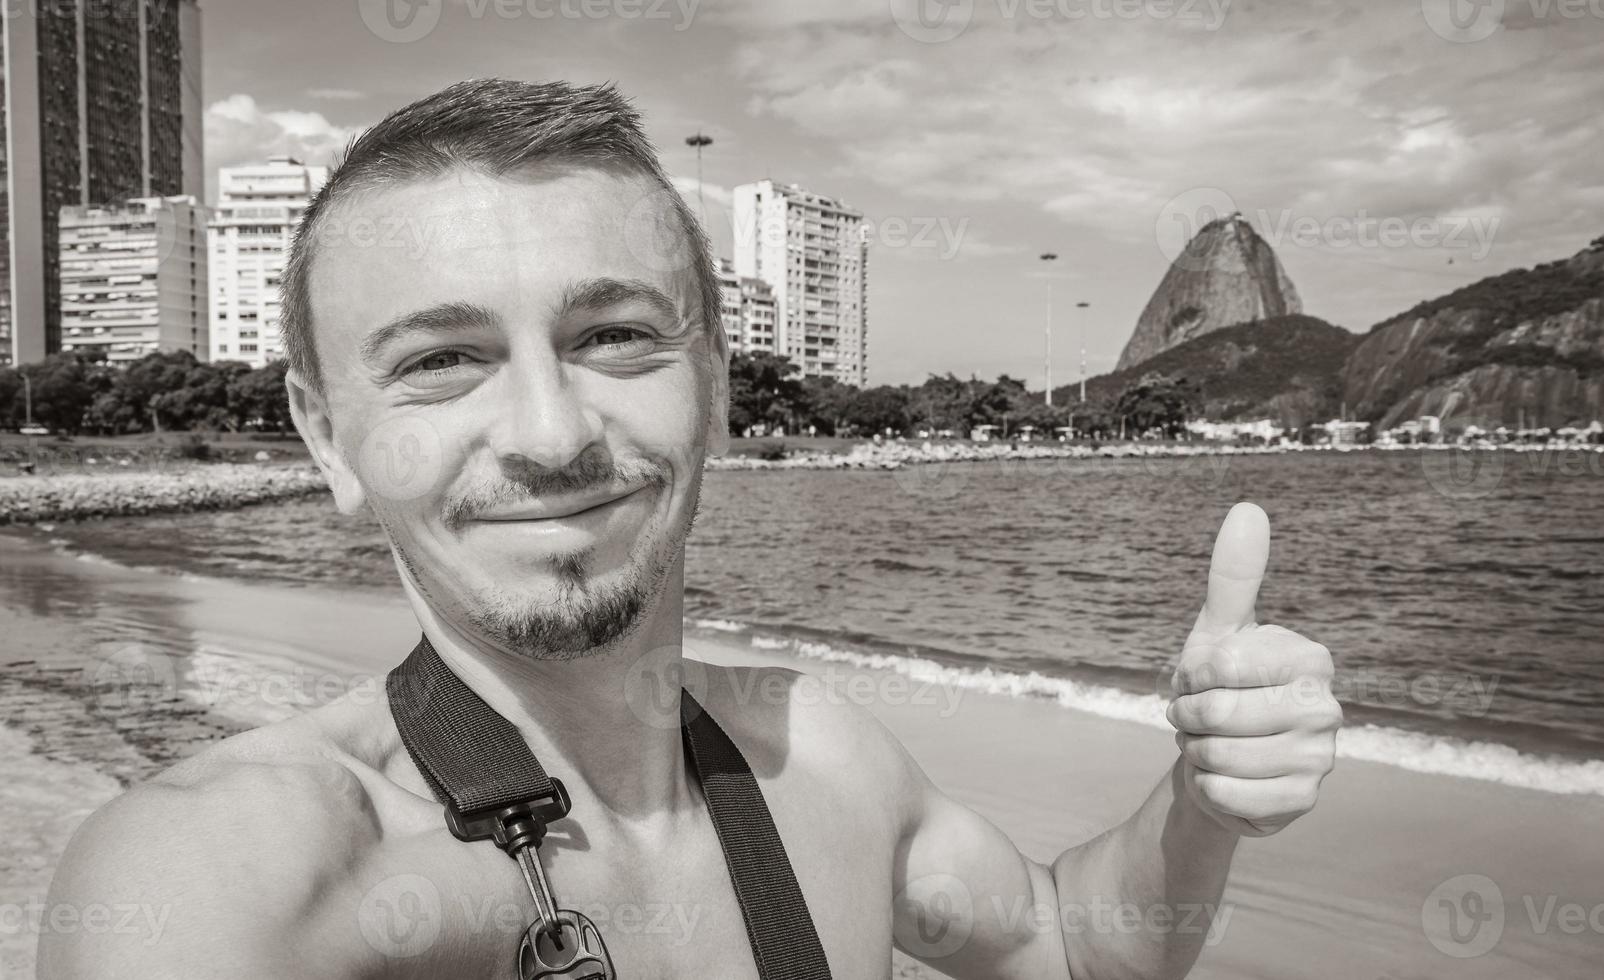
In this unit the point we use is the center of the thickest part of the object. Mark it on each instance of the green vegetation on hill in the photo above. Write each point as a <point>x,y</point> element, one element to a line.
<point>1513,297</point>
<point>1262,368</point>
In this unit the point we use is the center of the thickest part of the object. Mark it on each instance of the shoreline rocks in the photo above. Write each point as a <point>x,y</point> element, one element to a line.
<point>218,486</point>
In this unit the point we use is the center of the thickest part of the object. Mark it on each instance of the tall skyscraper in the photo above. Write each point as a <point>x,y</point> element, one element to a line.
<point>811,251</point>
<point>258,208</point>
<point>102,105</point>
<point>133,278</point>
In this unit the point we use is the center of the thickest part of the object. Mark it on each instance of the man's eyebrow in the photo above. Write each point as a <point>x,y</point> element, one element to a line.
<point>588,295</point>
<point>441,316</point>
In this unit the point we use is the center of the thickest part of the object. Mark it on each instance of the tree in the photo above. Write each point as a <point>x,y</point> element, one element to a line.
<point>259,398</point>
<point>763,389</point>
<point>878,409</point>
<point>63,390</point>
<point>1158,401</point>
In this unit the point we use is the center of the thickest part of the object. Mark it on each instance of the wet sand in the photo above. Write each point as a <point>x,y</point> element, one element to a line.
<point>108,675</point>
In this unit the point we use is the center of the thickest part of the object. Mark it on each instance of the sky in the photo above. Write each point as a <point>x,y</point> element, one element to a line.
<point>1389,150</point>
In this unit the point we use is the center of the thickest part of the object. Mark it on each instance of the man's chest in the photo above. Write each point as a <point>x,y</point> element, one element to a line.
<point>428,905</point>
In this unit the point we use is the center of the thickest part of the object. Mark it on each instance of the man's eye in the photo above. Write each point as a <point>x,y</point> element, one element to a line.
<point>612,336</point>
<point>438,361</point>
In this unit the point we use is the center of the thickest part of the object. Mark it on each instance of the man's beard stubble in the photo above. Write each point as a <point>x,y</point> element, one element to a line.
<point>587,617</point>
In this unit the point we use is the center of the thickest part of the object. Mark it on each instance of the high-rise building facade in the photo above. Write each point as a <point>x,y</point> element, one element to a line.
<point>258,209</point>
<point>133,278</point>
<point>748,310</point>
<point>811,251</point>
<point>102,104</point>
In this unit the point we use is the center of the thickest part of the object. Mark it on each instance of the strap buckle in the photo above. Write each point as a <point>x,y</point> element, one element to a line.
<point>512,827</point>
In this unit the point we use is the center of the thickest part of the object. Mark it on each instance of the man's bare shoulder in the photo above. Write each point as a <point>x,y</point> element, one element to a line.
<point>225,851</point>
<point>782,718</point>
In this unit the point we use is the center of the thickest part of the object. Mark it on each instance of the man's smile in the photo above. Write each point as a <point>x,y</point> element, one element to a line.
<point>550,514</point>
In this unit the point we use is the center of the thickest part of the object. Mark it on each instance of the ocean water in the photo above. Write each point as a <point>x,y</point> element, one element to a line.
<point>1461,594</point>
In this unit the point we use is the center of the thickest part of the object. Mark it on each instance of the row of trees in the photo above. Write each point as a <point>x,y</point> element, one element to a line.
<point>172,391</point>
<point>766,392</point>
<point>161,392</point>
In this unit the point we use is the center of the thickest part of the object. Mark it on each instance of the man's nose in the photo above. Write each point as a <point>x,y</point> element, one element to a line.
<point>546,420</point>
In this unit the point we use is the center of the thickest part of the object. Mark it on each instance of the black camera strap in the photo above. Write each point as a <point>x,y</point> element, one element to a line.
<point>494,788</point>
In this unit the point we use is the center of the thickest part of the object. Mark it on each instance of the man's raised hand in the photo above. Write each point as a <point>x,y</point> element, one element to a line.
<point>1253,710</point>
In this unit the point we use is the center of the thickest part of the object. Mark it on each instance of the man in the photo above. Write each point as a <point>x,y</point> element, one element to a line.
<point>504,338</point>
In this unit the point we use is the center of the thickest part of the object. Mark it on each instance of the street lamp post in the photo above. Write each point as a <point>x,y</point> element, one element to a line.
<point>1048,331</point>
<point>1082,325</point>
<point>699,141</point>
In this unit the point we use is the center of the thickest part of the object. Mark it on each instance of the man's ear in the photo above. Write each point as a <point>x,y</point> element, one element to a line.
<point>718,420</point>
<point>310,411</point>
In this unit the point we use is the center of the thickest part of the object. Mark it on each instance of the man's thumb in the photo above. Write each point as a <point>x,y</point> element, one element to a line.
<point>1241,550</point>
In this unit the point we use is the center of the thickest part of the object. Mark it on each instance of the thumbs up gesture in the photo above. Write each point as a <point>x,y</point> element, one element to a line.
<point>1253,711</point>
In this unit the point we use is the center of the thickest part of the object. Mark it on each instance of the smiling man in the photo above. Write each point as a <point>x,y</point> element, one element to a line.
<point>505,340</point>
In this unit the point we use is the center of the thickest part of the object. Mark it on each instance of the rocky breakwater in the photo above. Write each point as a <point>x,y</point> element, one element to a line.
<point>894,455</point>
<point>71,496</point>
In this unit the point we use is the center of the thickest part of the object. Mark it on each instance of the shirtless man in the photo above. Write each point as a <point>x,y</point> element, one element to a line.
<point>499,285</point>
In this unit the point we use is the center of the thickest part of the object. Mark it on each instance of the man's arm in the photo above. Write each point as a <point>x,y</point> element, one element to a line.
<point>209,879</point>
<point>1256,724</point>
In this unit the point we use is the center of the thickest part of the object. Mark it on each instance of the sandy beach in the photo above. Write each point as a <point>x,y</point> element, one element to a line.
<point>1353,890</point>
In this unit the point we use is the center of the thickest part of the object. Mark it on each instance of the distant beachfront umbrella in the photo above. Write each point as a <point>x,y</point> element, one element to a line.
<point>699,141</point>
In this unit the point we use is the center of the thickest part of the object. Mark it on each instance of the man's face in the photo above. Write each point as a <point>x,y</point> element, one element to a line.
<point>518,383</point>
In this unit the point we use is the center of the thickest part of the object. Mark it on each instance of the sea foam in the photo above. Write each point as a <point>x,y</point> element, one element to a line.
<point>1414,751</point>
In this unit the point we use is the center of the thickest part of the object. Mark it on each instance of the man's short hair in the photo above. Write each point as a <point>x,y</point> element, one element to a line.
<point>498,127</point>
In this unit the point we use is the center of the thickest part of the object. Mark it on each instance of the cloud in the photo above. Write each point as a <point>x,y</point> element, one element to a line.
<point>1325,109</point>
<point>239,131</point>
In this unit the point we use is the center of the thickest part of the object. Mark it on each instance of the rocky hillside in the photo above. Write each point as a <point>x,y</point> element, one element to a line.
<point>1526,345</point>
<point>1226,275</point>
<point>1286,368</point>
